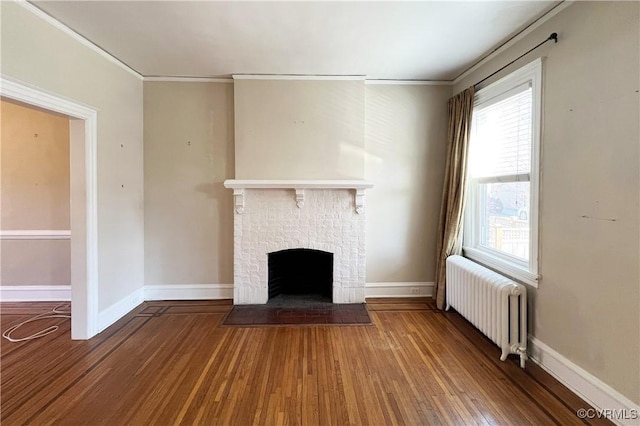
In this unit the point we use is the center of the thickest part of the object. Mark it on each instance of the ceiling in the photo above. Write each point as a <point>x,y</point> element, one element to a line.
<point>429,40</point>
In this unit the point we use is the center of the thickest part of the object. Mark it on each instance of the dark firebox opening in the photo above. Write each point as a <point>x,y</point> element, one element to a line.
<point>300,276</point>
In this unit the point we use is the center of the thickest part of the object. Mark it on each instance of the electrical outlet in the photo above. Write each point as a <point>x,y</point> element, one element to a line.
<point>415,290</point>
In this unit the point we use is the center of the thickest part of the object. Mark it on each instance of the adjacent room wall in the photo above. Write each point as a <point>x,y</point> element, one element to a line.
<point>37,53</point>
<point>34,173</point>
<point>299,129</point>
<point>405,144</point>
<point>188,154</point>
<point>587,306</point>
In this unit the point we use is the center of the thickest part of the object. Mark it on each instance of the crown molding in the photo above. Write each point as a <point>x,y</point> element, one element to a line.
<point>513,40</point>
<point>188,79</point>
<point>77,37</point>
<point>410,82</point>
<point>297,77</point>
<point>179,79</point>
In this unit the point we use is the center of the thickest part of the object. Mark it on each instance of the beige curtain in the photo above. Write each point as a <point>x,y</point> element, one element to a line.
<point>453,193</point>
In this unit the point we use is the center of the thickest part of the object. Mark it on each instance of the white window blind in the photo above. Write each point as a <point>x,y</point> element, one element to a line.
<point>501,137</point>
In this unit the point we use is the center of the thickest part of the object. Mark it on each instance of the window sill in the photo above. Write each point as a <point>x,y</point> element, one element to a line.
<point>511,270</point>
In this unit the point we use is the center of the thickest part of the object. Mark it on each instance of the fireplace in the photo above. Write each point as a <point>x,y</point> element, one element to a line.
<point>301,272</point>
<point>312,216</point>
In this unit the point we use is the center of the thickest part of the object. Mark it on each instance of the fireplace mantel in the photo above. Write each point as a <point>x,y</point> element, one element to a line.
<point>294,184</point>
<point>240,185</point>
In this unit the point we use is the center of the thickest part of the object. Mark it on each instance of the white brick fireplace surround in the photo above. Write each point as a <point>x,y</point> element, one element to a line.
<point>274,215</point>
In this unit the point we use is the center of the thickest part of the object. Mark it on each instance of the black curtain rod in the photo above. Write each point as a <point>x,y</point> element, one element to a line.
<point>553,36</point>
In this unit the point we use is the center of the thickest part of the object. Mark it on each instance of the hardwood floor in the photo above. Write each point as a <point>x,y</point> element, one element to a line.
<point>172,363</point>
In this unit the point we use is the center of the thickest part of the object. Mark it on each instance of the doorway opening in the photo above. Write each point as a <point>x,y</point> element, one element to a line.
<point>83,199</point>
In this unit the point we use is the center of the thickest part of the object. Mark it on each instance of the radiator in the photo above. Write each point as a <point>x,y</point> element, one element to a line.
<point>496,305</point>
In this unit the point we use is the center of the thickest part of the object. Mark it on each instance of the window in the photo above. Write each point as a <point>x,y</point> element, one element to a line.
<point>501,216</point>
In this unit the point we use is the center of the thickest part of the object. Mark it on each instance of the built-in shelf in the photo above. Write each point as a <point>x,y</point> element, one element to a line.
<point>240,185</point>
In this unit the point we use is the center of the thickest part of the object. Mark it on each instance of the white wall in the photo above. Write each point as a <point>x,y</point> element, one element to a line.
<point>587,306</point>
<point>36,53</point>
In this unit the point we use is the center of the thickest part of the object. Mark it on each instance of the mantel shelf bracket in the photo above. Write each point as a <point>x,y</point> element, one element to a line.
<point>359,201</point>
<point>238,200</point>
<point>299,197</point>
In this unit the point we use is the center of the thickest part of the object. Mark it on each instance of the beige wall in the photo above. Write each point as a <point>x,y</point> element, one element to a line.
<point>188,154</point>
<point>35,262</point>
<point>299,129</point>
<point>405,144</point>
<point>35,52</point>
<point>189,214</point>
<point>393,135</point>
<point>34,191</point>
<point>35,168</point>
<point>587,306</point>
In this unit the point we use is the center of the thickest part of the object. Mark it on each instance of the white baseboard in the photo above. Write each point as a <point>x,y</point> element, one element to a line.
<point>225,291</point>
<point>35,293</point>
<point>119,309</point>
<point>38,293</point>
<point>588,387</point>
<point>188,292</point>
<point>399,289</point>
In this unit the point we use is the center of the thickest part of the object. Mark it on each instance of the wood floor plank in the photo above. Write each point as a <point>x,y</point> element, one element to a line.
<point>173,363</point>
